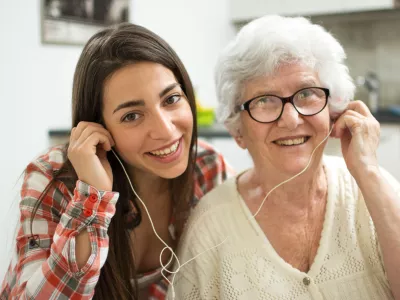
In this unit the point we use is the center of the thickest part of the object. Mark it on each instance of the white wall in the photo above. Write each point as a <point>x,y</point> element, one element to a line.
<point>36,79</point>
<point>35,88</point>
<point>197,30</point>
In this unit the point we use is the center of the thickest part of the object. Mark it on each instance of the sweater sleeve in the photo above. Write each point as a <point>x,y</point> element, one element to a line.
<point>396,186</point>
<point>45,265</point>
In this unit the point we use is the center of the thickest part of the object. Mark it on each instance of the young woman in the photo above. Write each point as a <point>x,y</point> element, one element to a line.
<point>83,232</point>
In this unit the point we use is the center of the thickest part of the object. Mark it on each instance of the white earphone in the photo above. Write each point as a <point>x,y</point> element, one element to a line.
<point>173,255</point>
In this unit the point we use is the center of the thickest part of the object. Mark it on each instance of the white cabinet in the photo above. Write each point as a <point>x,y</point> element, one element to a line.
<point>245,10</point>
<point>388,151</point>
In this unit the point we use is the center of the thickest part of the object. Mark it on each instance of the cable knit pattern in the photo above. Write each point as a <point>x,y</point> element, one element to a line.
<point>348,264</point>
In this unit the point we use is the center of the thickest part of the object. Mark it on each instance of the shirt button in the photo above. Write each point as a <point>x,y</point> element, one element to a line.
<point>32,243</point>
<point>93,198</point>
<point>306,280</point>
<point>87,212</point>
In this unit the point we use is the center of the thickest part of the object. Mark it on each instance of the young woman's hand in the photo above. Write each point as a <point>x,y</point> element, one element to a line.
<point>359,134</point>
<point>87,151</point>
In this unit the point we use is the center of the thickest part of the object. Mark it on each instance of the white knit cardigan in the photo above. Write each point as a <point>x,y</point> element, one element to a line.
<point>348,264</point>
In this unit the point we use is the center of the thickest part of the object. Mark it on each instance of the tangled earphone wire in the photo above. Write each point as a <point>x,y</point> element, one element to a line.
<point>164,268</point>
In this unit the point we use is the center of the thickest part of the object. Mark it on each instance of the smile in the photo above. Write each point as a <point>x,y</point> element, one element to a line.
<point>166,151</point>
<point>292,142</point>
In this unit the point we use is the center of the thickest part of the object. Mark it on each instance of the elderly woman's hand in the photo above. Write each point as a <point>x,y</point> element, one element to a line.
<point>359,134</point>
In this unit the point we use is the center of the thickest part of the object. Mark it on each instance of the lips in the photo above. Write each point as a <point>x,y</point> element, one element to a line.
<point>176,150</point>
<point>166,150</point>
<point>291,141</point>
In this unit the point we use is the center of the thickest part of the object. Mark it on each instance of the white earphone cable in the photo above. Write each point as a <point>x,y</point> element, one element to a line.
<point>173,255</point>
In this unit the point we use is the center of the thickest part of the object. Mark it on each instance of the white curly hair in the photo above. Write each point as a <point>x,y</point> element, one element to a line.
<point>266,43</point>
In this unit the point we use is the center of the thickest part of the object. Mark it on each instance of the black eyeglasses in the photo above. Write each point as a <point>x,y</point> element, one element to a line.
<point>269,108</point>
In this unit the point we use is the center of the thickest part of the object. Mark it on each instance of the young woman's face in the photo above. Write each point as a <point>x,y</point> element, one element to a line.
<point>150,119</point>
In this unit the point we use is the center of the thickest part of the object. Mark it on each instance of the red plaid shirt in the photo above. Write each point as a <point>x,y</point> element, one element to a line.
<point>50,271</point>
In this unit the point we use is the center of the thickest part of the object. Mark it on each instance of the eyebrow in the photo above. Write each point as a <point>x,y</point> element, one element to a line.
<point>168,88</point>
<point>134,103</point>
<point>131,103</point>
<point>308,82</point>
<point>302,84</point>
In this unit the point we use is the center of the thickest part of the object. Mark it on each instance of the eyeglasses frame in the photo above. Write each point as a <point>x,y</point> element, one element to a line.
<point>246,105</point>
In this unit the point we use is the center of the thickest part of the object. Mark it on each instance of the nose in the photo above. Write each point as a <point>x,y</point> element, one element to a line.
<point>290,118</point>
<point>162,126</point>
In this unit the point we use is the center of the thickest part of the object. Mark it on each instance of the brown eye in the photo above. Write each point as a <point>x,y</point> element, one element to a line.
<point>130,117</point>
<point>173,99</point>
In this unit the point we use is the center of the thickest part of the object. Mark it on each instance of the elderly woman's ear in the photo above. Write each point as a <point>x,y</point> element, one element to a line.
<point>237,135</point>
<point>235,132</point>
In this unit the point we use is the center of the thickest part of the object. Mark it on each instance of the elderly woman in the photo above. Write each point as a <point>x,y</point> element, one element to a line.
<point>332,231</point>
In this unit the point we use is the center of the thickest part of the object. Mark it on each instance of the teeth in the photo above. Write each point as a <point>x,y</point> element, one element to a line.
<point>291,142</point>
<point>166,151</point>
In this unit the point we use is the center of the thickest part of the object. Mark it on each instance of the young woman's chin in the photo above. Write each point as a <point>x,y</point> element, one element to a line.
<point>173,172</point>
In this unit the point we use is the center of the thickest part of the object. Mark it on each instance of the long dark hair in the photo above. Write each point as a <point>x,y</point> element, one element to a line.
<point>106,52</point>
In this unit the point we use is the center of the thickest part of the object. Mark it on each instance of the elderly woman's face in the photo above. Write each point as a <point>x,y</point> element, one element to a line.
<point>286,144</point>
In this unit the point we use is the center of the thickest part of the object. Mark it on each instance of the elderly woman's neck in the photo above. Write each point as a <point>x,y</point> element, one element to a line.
<point>298,192</point>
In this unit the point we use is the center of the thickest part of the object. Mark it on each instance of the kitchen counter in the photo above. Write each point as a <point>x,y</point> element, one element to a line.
<point>219,131</point>
<point>386,116</point>
<point>215,131</point>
